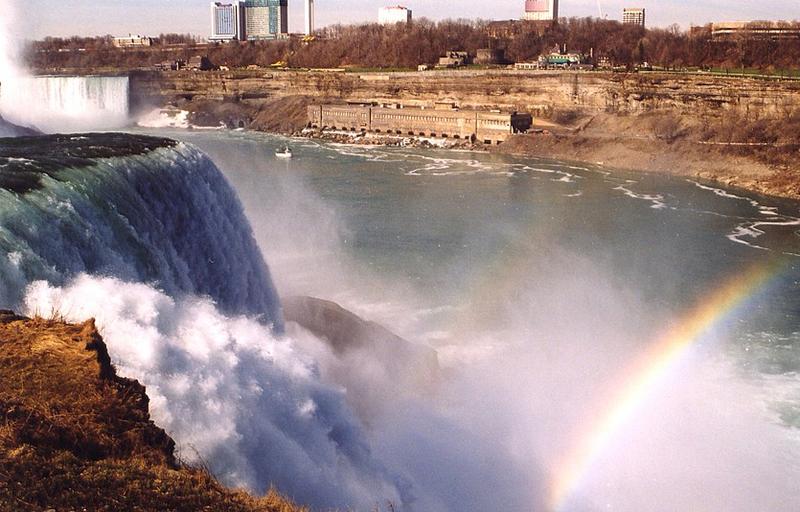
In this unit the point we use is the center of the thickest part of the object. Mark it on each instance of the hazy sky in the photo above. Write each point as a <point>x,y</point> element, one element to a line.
<point>151,17</point>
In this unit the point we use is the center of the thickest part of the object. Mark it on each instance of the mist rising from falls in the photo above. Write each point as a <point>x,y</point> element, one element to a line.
<point>146,236</point>
<point>9,39</point>
<point>54,104</point>
<point>59,104</point>
<point>231,394</point>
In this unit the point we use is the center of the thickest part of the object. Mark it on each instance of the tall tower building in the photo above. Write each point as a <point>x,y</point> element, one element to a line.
<point>633,16</point>
<point>541,10</point>
<point>309,17</point>
<point>392,15</point>
<point>266,19</point>
<point>227,21</point>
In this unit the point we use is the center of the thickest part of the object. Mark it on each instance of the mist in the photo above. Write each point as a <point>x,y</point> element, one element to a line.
<point>533,339</point>
<point>12,27</point>
<point>53,104</point>
<point>532,347</point>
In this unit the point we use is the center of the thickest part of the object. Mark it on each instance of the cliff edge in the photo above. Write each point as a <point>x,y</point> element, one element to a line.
<point>76,436</point>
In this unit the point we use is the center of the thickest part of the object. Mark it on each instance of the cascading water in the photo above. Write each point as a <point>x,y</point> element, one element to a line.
<point>66,103</point>
<point>145,235</point>
<point>159,213</point>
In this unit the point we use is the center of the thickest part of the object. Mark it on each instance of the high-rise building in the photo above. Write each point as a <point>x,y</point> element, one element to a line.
<point>309,17</point>
<point>392,15</point>
<point>227,21</point>
<point>266,19</point>
<point>633,16</point>
<point>754,30</point>
<point>541,10</point>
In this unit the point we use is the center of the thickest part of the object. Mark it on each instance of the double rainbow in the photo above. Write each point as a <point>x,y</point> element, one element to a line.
<point>650,371</point>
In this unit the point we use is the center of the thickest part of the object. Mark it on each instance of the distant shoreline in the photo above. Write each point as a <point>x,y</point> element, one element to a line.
<point>686,158</point>
<point>735,131</point>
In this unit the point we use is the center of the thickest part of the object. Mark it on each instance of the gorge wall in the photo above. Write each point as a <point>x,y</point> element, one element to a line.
<point>534,91</point>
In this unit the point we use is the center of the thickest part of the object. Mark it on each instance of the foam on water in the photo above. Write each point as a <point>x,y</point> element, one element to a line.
<point>231,394</point>
<point>751,229</point>
<point>164,118</point>
<point>565,177</point>
<point>656,200</point>
<point>155,246</point>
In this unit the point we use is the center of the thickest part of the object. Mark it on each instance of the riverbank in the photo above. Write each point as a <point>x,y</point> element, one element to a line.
<point>735,131</point>
<point>682,158</point>
<point>717,163</point>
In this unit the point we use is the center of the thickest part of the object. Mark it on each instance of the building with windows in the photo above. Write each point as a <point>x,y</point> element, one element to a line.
<point>132,41</point>
<point>266,19</point>
<point>454,59</point>
<point>309,17</point>
<point>227,21</point>
<point>633,16</point>
<point>392,15</point>
<point>541,10</point>
<point>763,30</point>
<point>444,120</point>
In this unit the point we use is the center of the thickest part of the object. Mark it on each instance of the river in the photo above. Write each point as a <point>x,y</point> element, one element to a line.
<point>608,340</point>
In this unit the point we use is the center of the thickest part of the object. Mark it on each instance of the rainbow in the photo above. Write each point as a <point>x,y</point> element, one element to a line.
<point>650,371</point>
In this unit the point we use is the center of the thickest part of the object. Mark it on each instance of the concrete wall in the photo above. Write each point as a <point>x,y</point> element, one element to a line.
<point>343,117</point>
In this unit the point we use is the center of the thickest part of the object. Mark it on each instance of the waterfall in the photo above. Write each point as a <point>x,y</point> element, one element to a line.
<point>58,104</point>
<point>132,207</point>
<point>146,236</point>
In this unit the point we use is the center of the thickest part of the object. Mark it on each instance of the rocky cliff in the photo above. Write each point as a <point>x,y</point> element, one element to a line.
<point>76,436</point>
<point>742,132</point>
<point>534,91</point>
<point>8,129</point>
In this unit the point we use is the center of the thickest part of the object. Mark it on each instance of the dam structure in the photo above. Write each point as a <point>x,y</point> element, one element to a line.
<point>444,120</point>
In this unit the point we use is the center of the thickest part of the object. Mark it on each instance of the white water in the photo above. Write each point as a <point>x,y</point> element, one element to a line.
<point>58,104</point>
<point>229,392</point>
<point>54,104</point>
<point>164,118</point>
<point>157,249</point>
<point>168,218</point>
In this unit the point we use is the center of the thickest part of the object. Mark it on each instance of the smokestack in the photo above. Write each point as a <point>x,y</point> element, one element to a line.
<point>309,17</point>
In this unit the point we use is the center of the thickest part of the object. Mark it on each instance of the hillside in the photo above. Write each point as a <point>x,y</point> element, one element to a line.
<point>76,436</point>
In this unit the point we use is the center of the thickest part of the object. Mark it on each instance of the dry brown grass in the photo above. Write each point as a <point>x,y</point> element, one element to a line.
<point>75,436</point>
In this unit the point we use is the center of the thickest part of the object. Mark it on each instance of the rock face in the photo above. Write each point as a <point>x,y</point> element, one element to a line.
<point>8,129</point>
<point>536,92</point>
<point>76,436</point>
<point>370,359</point>
<point>348,332</point>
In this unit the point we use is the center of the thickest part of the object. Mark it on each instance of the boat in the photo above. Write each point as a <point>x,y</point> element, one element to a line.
<point>286,152</point>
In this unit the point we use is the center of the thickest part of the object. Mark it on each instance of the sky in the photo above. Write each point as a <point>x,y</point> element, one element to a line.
<point>152,17</point>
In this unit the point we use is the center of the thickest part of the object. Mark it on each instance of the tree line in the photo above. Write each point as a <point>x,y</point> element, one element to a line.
<point>424,41</point>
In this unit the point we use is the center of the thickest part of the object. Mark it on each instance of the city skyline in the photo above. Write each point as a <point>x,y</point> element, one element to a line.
<point>151,17</point>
